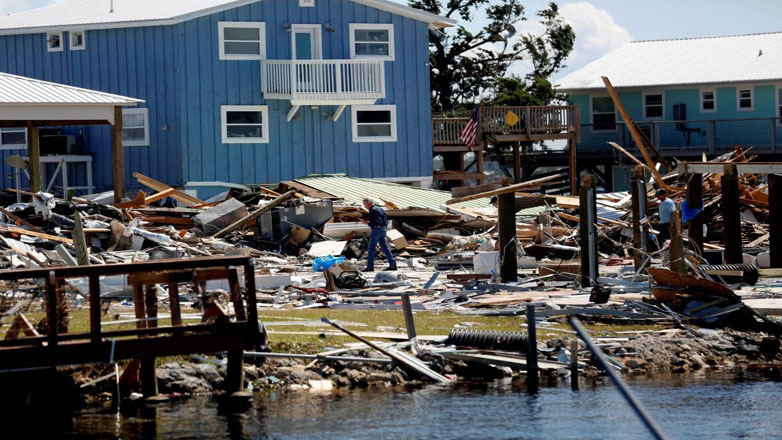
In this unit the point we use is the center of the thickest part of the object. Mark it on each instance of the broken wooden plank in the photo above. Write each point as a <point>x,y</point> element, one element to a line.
<point>19,221</point>
<point>180,196</point>
<point>35,234</point>
<point>507,189</point>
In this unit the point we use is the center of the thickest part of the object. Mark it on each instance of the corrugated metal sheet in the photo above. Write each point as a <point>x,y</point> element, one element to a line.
<point>354,190</point>
<point>98,13</point>
<point>20,90</point>
<point>737,58</point>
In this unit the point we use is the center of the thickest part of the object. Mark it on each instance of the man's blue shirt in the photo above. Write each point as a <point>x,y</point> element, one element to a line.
<point>377,217</point>
<point>667,207</point>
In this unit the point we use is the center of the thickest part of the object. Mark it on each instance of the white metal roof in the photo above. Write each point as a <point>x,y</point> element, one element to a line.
<point>18,90</point>
<point>98,14</point>
<point>691,61</point>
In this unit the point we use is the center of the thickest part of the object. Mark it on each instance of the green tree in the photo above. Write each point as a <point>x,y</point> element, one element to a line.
<point>464,69</point>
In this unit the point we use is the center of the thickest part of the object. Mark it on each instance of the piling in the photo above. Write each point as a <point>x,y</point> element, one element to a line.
<point>574,364</point>
<point>731,215</point>
<point>507,225</point>
<point>588,233</point>
<point>695,201</point>
<point>532,351</point>
<point>677,244</point>
<point>775,219</point>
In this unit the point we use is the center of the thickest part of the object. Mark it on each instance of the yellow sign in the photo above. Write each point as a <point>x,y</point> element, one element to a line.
<point>511,118</point>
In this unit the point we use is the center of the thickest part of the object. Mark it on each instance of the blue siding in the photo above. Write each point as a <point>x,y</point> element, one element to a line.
<point>177,70</point>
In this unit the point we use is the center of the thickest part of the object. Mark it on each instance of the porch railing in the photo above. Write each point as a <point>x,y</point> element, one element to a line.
<point>317,80</point>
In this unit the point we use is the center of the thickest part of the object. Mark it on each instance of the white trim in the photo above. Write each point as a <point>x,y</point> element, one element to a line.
<point>434,21</point>
<point>643,103</point>
<point>264,109</point>
<point>353,27</point>
<point>306,3</point>
<point>71,38</point>
<point>354,123</point>
<point>317,42</point>
<point>261,26</point>
<point>700,99</point>
<point>751,99</point>
<point>13,146</point>
<point>49,47</point>
<point>592,114</point>
<point>136,111</point>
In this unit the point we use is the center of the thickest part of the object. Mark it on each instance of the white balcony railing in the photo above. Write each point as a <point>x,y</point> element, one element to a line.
<point>323,80</point>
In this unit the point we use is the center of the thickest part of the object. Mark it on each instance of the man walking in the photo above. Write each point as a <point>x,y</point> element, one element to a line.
<point>666,208</point>
<point>378,222</point>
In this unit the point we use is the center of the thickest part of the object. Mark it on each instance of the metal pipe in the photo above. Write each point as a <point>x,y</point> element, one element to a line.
<point>616,379</point>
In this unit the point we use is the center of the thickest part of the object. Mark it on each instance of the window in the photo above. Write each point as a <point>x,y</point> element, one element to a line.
<point>78,40</point>
<point>372,41</point>
<point>708,101</point>
<point>603,114</point>
<point>653,105</point>
<point>306,3</point>
<point>744,100</point>
<point>13,138</point>
<point>135,127</point>
<point>242,40</point>
<point>54,41</point>
<point>374,123</point>
<point>245,124</point>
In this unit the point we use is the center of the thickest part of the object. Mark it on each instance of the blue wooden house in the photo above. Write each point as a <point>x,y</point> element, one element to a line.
<point>690,96</point>
<point>241,91</point>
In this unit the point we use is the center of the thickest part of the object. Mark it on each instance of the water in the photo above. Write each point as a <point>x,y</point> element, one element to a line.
<point>709,406</point>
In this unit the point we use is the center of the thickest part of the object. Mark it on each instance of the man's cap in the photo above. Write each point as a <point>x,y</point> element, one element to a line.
<point>660,192</point>
<point>493,199</point>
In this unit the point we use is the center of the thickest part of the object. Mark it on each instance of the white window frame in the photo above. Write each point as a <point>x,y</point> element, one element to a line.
<point>136,111</point>
<point>306,3</point>
<point>48,44</point>
<point>751,99</point>
<point>264,109</point>
<point>662,103</point>
<point>71,39</point>
<point>714,98</point>
<point>592,114</point>
<point>13,146</point>
<point>353,27</point>
<point>261,26</point>
<point>354,109</point>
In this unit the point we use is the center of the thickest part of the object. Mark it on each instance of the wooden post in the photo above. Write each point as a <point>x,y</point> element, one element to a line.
<point>118,156</point>
<point>636,198</point>
<point>252,308</point>
<point>731,215</point>
<point>34,140</point>
<point>506,217</point>
<point>51,313</point>
<point>574,364</point>
<point>775,219</point>
<point>516,163</point>
<point>173,300</point>
<point>695,201</point>
<point>138,305</point>
<point>236,294</point>
<point>573,167</point>
<point>408,310</point>
<point>532,351</point>
<point>234,381</point>
<point>588,231</point>
<point>677,244</point>
<point>148,377</point>
<point>95,309</point>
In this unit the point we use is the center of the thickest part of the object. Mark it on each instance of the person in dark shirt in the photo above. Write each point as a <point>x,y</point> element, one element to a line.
<point>378,222</point>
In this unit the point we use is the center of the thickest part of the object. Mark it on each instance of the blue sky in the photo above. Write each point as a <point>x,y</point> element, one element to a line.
<point>602,25</point>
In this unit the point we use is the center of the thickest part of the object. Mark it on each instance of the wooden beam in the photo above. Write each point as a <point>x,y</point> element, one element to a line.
<point>731,215</point>
<point>35,234</point>
<point>507,189</point>
<point>20,221</point>
<point>573,167</point>
<point>695,201</point>
<point>506,218</point>
<point>741,168</point>
<point>118,156</point>
<point>516,163</point>
<point>627,153</point>
<point>775,220</point>
<point>638,137</point>
<point>677,244</point>
<point>180,196</point>
<point>34,153</point>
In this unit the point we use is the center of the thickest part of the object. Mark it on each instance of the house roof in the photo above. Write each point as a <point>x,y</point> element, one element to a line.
<point>18,90</point>
<point>689,61</point>
<point>97,14</point>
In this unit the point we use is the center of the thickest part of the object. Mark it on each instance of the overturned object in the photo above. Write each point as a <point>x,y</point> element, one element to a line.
<point>215,219</point>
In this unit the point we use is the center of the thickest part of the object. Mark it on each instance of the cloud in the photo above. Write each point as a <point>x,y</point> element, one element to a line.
<point>596,34</point>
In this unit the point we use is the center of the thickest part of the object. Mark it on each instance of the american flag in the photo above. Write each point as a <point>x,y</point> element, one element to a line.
<point>469,130</point>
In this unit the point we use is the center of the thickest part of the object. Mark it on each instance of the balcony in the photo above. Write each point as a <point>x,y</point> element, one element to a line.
<point>323,82</point>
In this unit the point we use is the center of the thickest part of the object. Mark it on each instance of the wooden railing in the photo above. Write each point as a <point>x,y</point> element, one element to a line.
<point>323,79</point>
<point>532,121</point>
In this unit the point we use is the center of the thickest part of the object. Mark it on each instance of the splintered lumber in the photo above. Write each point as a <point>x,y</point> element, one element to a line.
<point>638,137</point>
<point>180,196</point>
<point>627,153</point>
<point>19,221</point>
<point>507,189</point>
<point>35,234</point>
<point>254,215</point>
<point>407,361</point>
